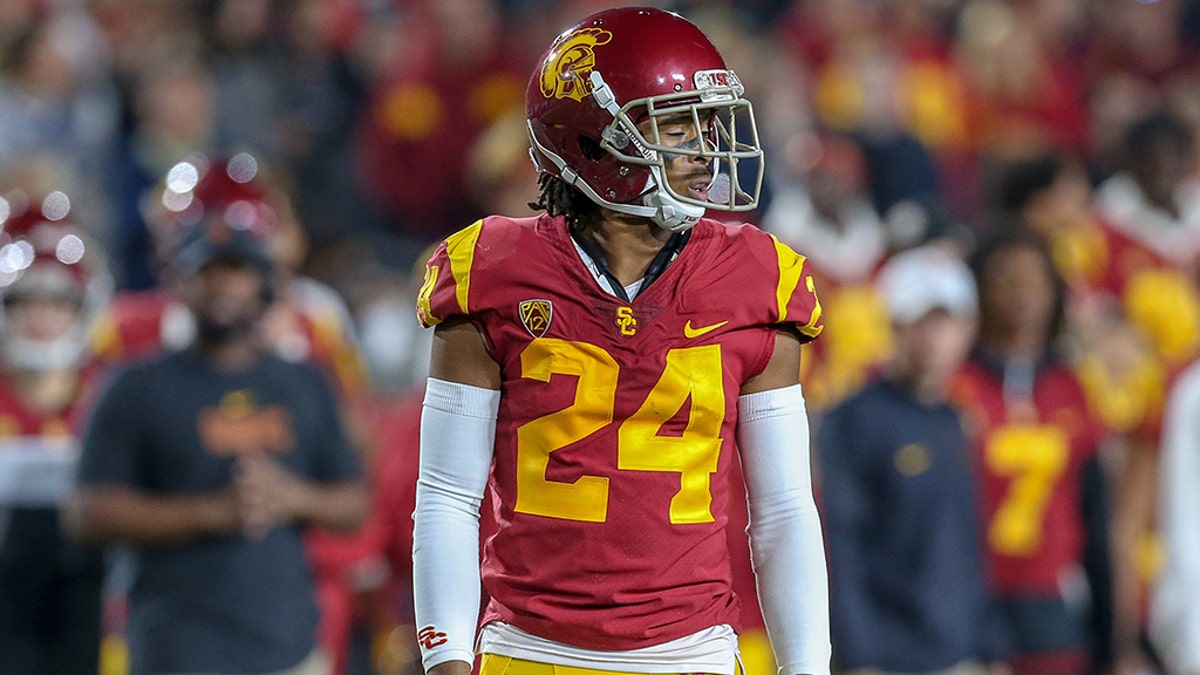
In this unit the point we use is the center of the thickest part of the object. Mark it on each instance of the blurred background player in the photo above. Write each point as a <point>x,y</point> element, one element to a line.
<point>1035,440</point>
<point>1123,376</point>
<point>211,461</point>
<point>52,282</point>
<point>899,492</point>
<point>1150,213</point>
<point>306,322</point>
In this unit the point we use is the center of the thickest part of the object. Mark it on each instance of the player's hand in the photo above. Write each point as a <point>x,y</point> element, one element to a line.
<point>268,494</point>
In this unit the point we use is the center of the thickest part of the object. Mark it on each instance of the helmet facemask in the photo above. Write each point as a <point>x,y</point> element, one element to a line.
<point>727,137</point>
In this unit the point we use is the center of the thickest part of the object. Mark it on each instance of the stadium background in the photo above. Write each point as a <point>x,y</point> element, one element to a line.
<point>394,123</point>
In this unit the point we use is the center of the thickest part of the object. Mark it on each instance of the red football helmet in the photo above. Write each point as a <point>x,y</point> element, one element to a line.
<point>635,64</point>
<point>46,254</point>
<point>233,193</point>
<point>226,190</point>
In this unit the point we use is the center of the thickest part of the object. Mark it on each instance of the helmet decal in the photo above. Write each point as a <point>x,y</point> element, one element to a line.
<point>566,68</point>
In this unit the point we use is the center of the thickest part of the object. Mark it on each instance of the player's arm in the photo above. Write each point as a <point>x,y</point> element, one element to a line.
<point>109,513</point>
<point>785,532</point>
<point>458,428</point>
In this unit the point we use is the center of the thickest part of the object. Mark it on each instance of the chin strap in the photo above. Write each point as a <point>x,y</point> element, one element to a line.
<point>669,212</point>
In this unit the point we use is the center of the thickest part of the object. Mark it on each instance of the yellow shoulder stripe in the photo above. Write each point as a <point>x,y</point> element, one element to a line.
<point>460,248</point>
<point>790,266</point>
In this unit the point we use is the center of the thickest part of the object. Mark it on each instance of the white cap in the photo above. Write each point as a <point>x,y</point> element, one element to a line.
<point>918,281</point>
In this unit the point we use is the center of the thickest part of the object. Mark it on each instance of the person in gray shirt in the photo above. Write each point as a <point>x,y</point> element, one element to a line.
<point>210,461</point>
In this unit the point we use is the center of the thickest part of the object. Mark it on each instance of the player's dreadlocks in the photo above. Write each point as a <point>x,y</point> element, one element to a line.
<point>557,198</point>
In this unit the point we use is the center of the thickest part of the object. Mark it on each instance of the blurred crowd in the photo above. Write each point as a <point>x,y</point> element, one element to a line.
<point>368,130</point>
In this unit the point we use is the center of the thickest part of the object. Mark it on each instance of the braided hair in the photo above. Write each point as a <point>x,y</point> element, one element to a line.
<point>557,198</point>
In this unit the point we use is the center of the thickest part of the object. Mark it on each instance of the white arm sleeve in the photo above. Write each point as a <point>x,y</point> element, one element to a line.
<point>785,533</point>
<point>458,432</point>
<point>1174,612</point>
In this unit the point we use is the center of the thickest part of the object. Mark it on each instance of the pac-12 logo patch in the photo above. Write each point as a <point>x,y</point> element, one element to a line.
<point>536,315</point>
<point>567,67</point>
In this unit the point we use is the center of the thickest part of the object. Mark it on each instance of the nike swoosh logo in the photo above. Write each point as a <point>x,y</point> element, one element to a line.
<point>690,332</point>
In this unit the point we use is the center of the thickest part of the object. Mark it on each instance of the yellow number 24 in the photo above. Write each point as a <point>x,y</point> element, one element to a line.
<point>693,373</point>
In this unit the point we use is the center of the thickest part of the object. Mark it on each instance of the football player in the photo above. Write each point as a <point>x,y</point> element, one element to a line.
<point>601,366</point>
<point>52,282</point>
<point>1043,490</point>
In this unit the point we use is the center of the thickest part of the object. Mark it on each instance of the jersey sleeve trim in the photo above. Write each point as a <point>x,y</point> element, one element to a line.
<point>811,329</point>
<point>460,248</point>
<point>460,251</point>
<point>424,304</point>
<point>791,264</point>
<point>791,269</point>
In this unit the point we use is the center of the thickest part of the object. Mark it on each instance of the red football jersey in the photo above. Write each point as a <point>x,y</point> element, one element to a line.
<point>615,434</point>
<point>18,419</point>
<point>1158,295</point>
<point>1030,456</point>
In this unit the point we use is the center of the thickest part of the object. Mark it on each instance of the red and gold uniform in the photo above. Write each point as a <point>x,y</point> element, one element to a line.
<point>1032,451</point>
<point>1030,456</point>
<point>1156,293</point>
<point>615,434</point>
<point>1158,296</point>
<point>858,343</point>
<point>18,419</point>
<point>50,588</point>
<point>1149,264</point>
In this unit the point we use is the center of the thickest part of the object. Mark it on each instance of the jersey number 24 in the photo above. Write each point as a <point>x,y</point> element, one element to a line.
<point>690,372</point>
